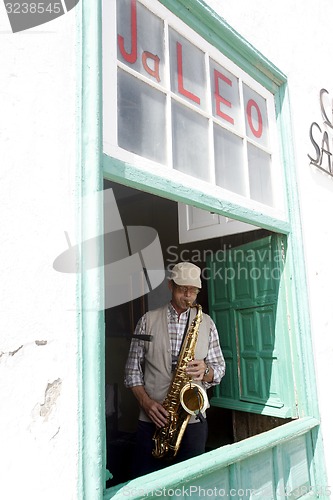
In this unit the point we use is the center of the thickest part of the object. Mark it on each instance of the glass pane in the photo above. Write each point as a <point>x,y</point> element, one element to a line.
<point>229,161</point>
<point>260,175</point>
<point>225,95</point>
<point>187,70</point>
<point>140,39</point>
<point>190,142</point>
<point>255,109</point>
<point>141,118</point>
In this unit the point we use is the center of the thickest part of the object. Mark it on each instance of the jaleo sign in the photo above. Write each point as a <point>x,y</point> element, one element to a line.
<point>183,106</point>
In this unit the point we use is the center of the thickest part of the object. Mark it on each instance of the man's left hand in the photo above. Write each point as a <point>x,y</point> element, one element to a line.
<point>196,369</point>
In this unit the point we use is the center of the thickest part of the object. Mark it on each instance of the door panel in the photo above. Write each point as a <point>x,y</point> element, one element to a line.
<point>247,302</point>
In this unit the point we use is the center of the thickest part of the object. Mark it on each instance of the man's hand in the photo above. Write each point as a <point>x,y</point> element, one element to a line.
<point>154,410</point>
<point>196,370</point>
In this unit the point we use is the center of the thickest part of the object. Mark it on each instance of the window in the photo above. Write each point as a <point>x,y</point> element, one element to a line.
<point>185,111</point>
<point>173,91</point>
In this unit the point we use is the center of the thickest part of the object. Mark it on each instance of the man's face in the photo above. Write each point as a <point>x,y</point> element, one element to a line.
<point>182,296</point>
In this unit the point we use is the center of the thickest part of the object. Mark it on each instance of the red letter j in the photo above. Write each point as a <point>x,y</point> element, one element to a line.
<point>132,57</point>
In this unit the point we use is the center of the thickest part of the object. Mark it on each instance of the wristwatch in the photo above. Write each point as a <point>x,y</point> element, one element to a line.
<point>207,370</point>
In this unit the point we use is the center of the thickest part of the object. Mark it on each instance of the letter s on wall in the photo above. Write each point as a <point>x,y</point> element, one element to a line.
<point>317,148</point>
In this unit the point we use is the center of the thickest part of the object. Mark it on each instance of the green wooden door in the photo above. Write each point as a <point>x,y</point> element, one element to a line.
<point>247,300</point>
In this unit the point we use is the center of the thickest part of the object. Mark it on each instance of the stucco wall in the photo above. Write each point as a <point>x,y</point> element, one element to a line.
<point>38,347</point>
<point>296,37</point>
<point>38,386</point>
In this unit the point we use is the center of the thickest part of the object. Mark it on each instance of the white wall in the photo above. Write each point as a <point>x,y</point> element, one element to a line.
<point>38,386</point>
<point>297,37</point>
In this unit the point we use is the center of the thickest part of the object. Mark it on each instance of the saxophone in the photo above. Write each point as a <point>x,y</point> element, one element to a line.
<point>184,398</point>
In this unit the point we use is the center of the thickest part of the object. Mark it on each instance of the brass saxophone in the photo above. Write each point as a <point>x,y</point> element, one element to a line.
<point>184,398</point>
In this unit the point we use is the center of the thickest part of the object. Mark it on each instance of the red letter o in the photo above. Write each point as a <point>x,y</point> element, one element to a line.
<point>252,104</point>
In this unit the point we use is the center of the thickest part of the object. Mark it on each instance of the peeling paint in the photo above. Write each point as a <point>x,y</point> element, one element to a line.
<point>12,353</point>
<point>52,392</point>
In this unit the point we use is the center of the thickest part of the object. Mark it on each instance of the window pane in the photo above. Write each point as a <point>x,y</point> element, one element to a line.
<point>229,162</point>
<point>260,175</point>
<point>141,43</point>
<point>141,118</point>
<point>190,142</point>
<point>187,70</point>
<point>225,96</point>
<point>255,110</point>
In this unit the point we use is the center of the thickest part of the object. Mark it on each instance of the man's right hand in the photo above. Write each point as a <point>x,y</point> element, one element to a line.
<point>154,410</point>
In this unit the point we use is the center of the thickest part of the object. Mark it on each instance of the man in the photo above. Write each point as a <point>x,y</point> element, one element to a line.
<point>151,362</point>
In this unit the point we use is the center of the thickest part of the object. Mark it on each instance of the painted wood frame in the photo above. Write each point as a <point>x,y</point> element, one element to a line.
<point>91,164</point>
<point>90,286</point>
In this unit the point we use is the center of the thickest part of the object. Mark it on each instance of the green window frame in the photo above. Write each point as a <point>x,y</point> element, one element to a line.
<point>92,165</point>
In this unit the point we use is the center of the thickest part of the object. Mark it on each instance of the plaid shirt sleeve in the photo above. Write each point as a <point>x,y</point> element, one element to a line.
<point>214,357</point>
<point>136,355</point>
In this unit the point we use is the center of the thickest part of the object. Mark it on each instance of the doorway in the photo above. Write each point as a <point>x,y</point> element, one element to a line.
<point>226,426</point>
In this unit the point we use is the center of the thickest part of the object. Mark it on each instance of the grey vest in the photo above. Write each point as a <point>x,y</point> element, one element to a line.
<point>157,370</point>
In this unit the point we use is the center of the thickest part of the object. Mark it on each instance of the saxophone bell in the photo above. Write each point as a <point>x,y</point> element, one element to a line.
<point>193,398</point>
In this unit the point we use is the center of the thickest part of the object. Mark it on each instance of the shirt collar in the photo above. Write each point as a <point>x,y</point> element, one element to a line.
<point>172,311</point>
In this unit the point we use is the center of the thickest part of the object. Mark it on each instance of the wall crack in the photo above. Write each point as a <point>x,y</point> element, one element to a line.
<point>16,350</point>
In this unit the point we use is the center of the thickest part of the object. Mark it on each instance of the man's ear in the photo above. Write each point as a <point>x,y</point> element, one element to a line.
<point>170,285</point>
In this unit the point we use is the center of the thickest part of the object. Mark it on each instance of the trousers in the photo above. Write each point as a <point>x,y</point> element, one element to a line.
<point>193,444</point>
